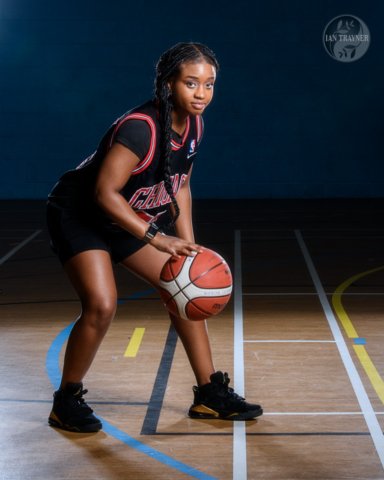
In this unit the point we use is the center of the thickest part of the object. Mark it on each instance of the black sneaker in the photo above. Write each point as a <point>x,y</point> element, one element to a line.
<point>70,412</point>
<point>216,400</point>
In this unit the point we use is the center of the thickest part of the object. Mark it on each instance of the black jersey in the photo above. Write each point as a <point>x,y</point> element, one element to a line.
<point>145,190</point>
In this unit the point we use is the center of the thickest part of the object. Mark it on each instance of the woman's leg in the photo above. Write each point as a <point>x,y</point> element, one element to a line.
<point>212,398</point>
<point>91,274</point>
<point>147,264</point>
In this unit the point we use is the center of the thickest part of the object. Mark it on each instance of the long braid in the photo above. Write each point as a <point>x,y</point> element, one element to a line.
<point>165,110</point>
<point>166,69</point>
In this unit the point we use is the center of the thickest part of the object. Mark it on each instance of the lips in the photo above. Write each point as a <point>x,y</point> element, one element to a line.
<point>198,105</point>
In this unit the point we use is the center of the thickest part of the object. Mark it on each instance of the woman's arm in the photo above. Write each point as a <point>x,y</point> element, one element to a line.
<point>114,173</point>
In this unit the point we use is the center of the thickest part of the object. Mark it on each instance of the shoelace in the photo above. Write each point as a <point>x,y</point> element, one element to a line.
<point>230,391</point>
<point>80,400</point>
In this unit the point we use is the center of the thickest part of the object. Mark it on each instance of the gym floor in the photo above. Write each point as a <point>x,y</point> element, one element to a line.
<point>302,335</point>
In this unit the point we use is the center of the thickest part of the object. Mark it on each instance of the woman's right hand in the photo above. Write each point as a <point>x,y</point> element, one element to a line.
<point>174,246</point>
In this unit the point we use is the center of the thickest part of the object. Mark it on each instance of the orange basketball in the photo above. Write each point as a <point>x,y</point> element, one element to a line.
<point>196,287</point>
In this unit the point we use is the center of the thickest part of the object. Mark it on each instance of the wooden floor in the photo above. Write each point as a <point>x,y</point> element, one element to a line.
<point>303,333</point>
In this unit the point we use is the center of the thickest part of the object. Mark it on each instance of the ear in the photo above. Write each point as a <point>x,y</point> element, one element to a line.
<point>170,86</point>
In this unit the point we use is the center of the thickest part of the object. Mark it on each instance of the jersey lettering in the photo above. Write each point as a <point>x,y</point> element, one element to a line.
<point>156,196</point>
<point>141,191</point>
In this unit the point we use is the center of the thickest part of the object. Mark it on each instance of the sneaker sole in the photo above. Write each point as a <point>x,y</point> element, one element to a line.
<point>203,412</point>
<point>91,428</point>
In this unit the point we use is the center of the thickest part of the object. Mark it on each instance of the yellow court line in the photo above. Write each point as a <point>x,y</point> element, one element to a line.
<point>338,306</point>
<point>370,369</point>
<point>134,343</point>
<point>361,352</point>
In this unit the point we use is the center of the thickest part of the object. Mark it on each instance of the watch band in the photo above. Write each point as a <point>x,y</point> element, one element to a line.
<point>153,229</point>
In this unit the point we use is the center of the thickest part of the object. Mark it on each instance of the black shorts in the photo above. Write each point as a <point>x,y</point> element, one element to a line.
<point>73,232</point>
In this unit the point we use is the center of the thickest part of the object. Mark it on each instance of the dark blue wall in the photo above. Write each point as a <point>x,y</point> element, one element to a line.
<point>287,120</point>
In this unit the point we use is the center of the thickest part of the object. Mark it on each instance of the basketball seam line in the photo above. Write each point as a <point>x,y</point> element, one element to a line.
<point>193,280</point>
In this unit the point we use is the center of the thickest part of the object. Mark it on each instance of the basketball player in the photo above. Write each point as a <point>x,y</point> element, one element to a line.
<point>130,203</point>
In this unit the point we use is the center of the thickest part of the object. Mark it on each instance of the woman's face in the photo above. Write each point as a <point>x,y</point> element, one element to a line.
<point>192,89</point>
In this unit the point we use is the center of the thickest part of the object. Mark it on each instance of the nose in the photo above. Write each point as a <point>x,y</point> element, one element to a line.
<point>200,92</point>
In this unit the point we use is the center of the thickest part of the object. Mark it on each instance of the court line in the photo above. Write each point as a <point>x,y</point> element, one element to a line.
<point>371,370</point>
<point>313,294</point>
<point>325,232</point>
<point>137,296</point>
<point>289,341</point>
<point>267,434</point>
<point>360,350</point>
<point>18,247</point>
<point>54,374</point>
<point>96,402</point>
<point>135,342</point>
<point>338,305</point>
<point>141,404</point>
<point>318,413</point>
<point>357,384</point>
<point>15,229</point>
<point>155,404</point>
<point>69,300</point>
<point>13,237</point>
<point>239,430</point>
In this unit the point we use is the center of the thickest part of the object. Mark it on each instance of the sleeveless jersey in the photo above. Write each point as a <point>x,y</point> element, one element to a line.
<point>145,190</point>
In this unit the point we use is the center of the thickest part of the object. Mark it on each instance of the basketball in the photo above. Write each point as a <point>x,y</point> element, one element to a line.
<point>196,287</point>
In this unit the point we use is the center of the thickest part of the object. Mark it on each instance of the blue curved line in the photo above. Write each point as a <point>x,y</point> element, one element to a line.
<point>155,454</point>
<point>52,366</point>
<point>52,362</point>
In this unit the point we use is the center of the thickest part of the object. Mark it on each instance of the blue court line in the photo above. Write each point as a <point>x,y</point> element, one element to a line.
<point>52,363</point>
<point>54,374</point>
<point>359,341</point>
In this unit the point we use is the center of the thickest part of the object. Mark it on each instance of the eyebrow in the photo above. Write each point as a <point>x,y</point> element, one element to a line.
<point>197,78</point>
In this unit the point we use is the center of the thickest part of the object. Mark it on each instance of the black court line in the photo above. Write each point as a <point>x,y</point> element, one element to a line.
<point>75,300</point>
<point>157,397</point>
<point>120,301</point>
<point>18,400</point>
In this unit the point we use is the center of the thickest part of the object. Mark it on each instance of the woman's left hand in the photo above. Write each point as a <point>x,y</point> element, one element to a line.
<point>174,246</point>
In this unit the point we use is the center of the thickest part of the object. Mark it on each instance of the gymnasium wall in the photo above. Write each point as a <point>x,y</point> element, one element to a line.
<point>287,121</point>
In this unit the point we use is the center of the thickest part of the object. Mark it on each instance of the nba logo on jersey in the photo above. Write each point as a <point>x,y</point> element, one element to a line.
<point>192,146</point>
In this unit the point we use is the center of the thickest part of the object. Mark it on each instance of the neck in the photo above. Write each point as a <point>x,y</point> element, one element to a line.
<point>179,121</point>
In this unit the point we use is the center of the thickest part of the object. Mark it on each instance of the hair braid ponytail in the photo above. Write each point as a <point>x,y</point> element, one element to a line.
<point>166,69</point>
<point>165,110</point>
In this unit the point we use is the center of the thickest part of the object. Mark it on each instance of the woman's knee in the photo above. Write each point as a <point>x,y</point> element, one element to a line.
<point>99,311</point>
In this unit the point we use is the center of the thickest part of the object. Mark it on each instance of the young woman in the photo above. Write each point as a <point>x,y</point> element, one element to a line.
<point>130,203</point>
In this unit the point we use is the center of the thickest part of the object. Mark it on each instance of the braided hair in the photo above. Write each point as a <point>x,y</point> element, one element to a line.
<point>167,68</point>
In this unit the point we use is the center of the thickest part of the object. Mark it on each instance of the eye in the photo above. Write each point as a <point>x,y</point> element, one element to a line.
<point>209,85</point>
<point>190,84</point>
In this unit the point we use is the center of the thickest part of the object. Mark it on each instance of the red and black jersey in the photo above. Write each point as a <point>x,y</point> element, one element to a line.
<point>138,130</point>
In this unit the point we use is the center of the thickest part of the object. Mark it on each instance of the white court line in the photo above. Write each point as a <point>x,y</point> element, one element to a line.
<point>289,341</point>
<point>357,384</point>
<point>18,247</point>
<point>317,413</point>
<point>314,294</point>
<point>239,432</point>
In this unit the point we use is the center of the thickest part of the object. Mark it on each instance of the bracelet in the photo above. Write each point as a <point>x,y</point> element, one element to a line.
<point>153,229</point>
